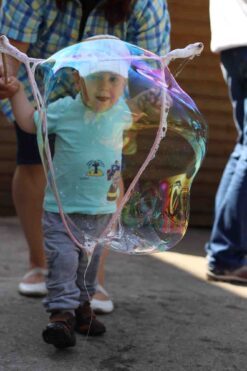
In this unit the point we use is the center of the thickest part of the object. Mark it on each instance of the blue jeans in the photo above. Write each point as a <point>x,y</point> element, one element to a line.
<point>227,247</point>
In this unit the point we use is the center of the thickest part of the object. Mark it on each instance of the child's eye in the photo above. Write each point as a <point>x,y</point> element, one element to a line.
<point>93,77</point>
<point>113,79</point>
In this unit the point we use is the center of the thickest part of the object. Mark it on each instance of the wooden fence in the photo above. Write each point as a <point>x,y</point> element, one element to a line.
<point>202,79</point>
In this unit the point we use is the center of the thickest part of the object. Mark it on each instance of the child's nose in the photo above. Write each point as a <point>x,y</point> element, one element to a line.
<point>103,83</point>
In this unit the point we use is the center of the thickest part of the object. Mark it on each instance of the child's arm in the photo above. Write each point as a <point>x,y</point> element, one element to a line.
<point>22,108</point>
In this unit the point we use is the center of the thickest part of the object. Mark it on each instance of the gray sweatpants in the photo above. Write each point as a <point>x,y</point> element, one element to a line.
<point>68,286</point>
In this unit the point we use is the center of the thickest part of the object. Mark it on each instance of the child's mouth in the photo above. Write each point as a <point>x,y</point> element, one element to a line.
<point>102,99</point>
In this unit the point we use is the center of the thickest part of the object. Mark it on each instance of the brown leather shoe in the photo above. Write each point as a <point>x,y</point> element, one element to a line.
<point>60,330</point>
<point>238,275</point>
<point>86,322</point>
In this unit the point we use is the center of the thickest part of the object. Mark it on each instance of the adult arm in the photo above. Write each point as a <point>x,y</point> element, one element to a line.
<point>19,21</point>
<point>12,65</point>
<point>149,26</point>
<point>22,108</point>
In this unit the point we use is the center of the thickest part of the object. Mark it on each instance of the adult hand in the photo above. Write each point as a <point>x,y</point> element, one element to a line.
<point>147,105</point>
<point>8,88</point>
<point>10,69</point>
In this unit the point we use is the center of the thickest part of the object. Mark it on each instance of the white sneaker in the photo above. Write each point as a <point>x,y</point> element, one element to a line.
<point>33,289</point>
<point>102,306</point>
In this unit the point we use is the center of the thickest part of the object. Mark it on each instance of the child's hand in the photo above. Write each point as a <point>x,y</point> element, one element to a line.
<point>9,89</point>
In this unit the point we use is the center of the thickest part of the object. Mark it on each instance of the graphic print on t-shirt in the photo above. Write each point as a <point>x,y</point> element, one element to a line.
<point>95,168</point>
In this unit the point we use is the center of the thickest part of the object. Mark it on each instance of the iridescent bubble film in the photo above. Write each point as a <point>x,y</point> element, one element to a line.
<point>119,140</point>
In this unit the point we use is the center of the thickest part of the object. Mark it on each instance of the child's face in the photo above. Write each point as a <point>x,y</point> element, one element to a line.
<point>101,90</point>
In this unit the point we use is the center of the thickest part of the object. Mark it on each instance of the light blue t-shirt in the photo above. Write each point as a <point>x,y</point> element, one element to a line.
<point>88,151</point>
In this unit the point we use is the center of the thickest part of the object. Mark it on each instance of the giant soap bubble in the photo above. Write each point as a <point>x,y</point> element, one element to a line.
<point>118,137</point>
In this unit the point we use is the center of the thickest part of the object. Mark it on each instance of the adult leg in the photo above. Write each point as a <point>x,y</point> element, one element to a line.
<point>101,302</point>
<point>101,272</point>
<point>88,269</point>
<point>28,190</point>
<point>227,246</point>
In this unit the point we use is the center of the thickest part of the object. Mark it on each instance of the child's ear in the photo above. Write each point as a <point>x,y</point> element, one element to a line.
<point>77,80</point>
<point>80,85</point>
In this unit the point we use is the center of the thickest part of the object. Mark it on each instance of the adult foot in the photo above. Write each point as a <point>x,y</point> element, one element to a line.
<point>101,302</point>
<point>86,321</point>
<point>238,275</point>
<point>33,283</point>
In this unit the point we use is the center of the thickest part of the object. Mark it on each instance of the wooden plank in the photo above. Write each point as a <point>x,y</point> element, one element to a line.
<point>7,151</point>
<point>5,199</point>
<point>7,135</point>
<point>7,167</point>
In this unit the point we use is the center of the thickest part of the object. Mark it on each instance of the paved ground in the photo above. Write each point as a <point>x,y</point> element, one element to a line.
<point>167,317</point>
